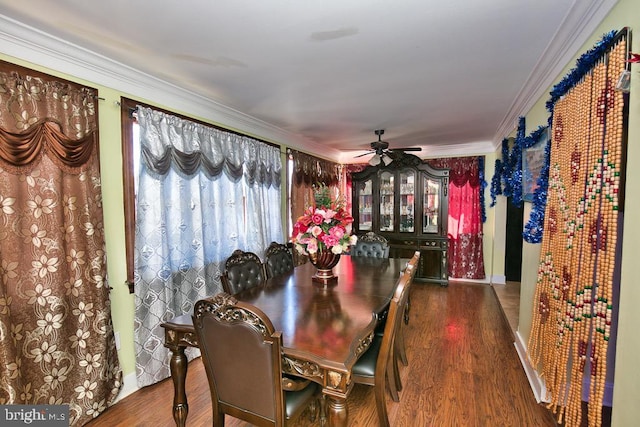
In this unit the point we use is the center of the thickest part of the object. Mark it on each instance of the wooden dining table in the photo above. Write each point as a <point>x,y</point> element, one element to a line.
<point>324,328</point>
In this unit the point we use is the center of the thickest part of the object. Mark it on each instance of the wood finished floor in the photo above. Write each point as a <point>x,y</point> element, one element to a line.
<point>463,371</point>
<point>509,299</point>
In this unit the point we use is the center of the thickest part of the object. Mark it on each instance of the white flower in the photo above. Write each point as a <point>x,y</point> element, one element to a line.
<point>50,322</point>
<point>83,311</point>
<point>45,265</point>
<point>90,362</point>
<point>86,389</point>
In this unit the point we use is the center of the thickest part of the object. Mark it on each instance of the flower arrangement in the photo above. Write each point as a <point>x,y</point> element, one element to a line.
<point>325,226</point>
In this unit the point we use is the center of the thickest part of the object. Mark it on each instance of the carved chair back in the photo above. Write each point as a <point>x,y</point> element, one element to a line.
<point>243,270</point>
<point>278,260</point>
<point>371,245</point>
<point>241,352</point>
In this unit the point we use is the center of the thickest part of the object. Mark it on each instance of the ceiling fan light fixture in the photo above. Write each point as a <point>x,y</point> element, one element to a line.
<point>386,160</point>
<point>375,160</point>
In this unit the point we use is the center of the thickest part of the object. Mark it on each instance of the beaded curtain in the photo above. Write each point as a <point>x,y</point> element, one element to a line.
<point>574,307</point>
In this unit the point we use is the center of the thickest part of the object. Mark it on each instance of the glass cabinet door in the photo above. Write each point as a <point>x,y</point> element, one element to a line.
<point>407,204</point>
<point>387,206</point>
<point>365,203</point>
<point>431,207</point>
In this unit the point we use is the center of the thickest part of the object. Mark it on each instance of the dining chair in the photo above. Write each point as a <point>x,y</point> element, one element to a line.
<point>371,245</point>
<point>242,356</point>
<point>278,260</point>
<point>243,270</point>
<point>373,368</point>
<point>399,348</point>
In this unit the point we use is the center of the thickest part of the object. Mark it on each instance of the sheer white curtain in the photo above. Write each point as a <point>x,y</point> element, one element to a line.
<point>202,193</point>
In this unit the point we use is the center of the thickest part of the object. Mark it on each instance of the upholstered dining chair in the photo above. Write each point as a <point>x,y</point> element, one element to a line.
<point>278,260</point>
<point>373,367</point>
<point>243,270</point>
<point>371,245</point>
<point>242,356</point>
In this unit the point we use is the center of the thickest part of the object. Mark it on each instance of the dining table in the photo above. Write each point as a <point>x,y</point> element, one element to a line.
<point>325,327</point>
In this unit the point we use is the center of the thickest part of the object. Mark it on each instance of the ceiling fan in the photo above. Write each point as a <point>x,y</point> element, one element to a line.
<point>383,153</point>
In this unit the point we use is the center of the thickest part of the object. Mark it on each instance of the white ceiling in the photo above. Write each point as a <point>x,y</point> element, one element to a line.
<point>450,76</point>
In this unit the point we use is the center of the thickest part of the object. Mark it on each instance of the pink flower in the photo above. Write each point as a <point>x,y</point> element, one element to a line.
<point>316,231</point>
<point>337,231</point>
<point>347,229</point>
<point>317,217</point>
<point>330,240</point>
<point>328,215</point>
<point>312,246</point>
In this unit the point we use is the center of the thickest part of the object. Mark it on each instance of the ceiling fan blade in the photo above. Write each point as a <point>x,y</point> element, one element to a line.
<point>364,154</point>
<point>408,149</point>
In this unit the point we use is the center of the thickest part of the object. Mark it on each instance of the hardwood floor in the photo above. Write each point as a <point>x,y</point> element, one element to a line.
<point>509,299</point>
<point>463,371</point>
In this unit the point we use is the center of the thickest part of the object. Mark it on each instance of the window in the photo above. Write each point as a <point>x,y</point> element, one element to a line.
<point>250,199</point>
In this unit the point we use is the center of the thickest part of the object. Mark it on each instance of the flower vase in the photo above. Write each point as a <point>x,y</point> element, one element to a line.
<point>324,261</point>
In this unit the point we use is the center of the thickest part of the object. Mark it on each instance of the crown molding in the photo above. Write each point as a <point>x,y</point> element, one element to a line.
<point>435,151</point>
<point>37,47</point>
<point>578,25</point>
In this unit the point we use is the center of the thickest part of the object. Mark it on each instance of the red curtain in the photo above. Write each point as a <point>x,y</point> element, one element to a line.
<point>465,217</point>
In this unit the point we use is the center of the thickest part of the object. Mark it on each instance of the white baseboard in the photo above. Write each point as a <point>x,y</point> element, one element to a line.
<point>129,385</point>
<point>484,281</point>
<point>535,381</point>
<point>499,280</point>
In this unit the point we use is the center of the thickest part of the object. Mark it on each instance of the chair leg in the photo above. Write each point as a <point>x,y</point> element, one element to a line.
<point>323,410</point>
<point>218,418</point>
<point>401,348</point>
<point>392,384</point>
<point>313,410</point>
<point>381,405</point>
<point>396,375</point>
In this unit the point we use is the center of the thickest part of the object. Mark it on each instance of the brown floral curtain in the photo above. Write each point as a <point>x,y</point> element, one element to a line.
<point>466,258</point>
<point>310,172</point>
<point>349,170</point>
<point>56,337</point>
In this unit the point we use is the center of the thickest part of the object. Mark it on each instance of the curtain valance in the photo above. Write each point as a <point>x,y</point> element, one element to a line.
<point>22,150</point>
<point>312,170</point>
<point>461,170</point>
<point>168,140</point>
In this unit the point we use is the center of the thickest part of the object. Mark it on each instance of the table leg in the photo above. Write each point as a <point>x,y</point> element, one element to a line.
<point>178,366</point>
<point>337,413</point>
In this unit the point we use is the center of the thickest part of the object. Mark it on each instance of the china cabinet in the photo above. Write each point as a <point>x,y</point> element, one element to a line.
<point>406,202</point>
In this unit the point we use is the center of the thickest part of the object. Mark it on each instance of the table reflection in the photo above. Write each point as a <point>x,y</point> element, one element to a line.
<point>323,323</point>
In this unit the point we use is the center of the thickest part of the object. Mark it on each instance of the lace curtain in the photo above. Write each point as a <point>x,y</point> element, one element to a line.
<point>202,193</point>
<point>56,337</point>
<point>465,217</point>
